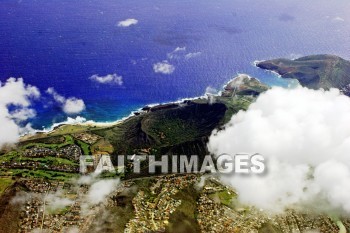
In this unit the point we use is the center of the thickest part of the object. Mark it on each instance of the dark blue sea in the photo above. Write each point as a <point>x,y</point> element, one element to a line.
<point>62,43</point>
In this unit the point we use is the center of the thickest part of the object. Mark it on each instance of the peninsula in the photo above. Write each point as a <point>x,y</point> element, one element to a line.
<point>316,71</point>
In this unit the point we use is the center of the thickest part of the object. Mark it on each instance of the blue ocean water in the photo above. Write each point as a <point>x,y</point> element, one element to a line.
<point>62,43</point>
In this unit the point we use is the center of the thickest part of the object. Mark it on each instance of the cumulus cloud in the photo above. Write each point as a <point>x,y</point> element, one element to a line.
<point>15,91</point>
<point>211,93</point>
<point>305,137</point>
<point>59,98</point>
<point>23,114</point>
<point>178,49</point>
<point>210,90</point>
<point>69,105</point>
<point>175,54</point>
<point>180,53</point>
<point>69,121</point>
<point>77,120</point>
<point>98,189</point>
<point>73,106</point>
<point>163,67</point>
<point>192,55</point>
<point>101,189</point>
<point>127,22</point>
<point>18,96</point>
<point>108,79</point>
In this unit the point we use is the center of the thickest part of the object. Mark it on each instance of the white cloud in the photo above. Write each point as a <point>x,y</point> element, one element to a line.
<point>180,53</point>
<point>294,56</point>
<point>127,22</point>
<point>69,121</point>
<point>58,98</point>
<point>339,19</point>
<point>108,79</point>
<point>211,90</point>
<point>178,49</point>
<point>77,120</point>
<point>305,138</point>
<point>23,114</point>
<point>163,67</point>
<point>175,53</point>
<point>101,189</point>
<point>73,106</point>
<point>69,105</point>
<point>192,55</point>
<point>9,129</point>
<point>14,92</point>
<point>57,201</point>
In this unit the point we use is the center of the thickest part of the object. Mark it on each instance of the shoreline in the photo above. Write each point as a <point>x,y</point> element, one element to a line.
<point>255,63</point>
<point>292,82</point>
<point>82,121</point>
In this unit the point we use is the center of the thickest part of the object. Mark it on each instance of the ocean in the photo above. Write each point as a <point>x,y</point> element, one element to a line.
<point>202,43</point>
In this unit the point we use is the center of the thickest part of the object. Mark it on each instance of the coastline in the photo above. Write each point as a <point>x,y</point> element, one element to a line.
<point>83,122</point>
<point>292,82</point>
<point>256,62</point>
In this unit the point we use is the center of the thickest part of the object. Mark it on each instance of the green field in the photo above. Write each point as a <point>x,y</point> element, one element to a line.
<point>4,183</point>
<point>84,146</point>
<point>26,173</point>
<point>68,141</point>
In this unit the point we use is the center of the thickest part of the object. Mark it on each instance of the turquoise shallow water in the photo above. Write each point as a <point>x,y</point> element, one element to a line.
<point>61,44</point>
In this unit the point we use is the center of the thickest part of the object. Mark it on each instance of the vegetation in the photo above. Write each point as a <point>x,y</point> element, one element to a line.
<point>48,161</point>
<point>105,175</point>
<point>166,129</point>
<point>62,210</point>
<point>9,156</point>
<point>45,174</point>
<point>68,140</point>
<point>169,131</point>
<point>84,146</point>
<point>317,71</point>
<point>101,146</point>
<point>185,215</point>
<point>70,129</point>
<point>226,197</point>
<point>234,105</point>
<point>5,183</point>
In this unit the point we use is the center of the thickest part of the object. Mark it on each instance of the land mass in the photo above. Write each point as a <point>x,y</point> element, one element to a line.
<point>47,162</point>
<point>315,72</point>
